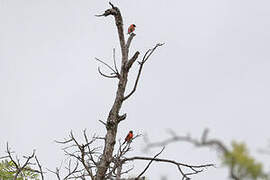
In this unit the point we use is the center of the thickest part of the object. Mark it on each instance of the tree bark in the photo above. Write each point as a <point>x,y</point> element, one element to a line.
<point>113,117</point>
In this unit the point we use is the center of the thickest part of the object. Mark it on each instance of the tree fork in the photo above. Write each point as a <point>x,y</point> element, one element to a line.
<point>114,118</point>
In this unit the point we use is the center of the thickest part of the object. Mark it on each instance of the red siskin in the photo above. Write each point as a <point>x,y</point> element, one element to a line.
<point>131,28</point>
<point>128,137</point>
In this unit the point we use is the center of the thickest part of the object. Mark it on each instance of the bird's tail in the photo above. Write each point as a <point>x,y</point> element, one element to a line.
<point>124,142</point>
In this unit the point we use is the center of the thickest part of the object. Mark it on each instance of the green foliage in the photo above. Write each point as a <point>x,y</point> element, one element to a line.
<point>8,171</point>
<point>244,166</point>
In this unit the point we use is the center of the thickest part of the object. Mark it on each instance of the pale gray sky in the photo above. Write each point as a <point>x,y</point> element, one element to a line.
<point>212,72</point>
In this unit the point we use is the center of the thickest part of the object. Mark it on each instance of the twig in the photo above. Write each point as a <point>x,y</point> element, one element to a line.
<point>83,154</point>
<point>106,65</point>
<point>114,62</point>
<point>19,169</point>
<point>107,76</point>
<point>115,72</point>
<point>4,157</point>
<point>103,123</point>
<point>148,165</point>
<point>145,58</point>
<point>203,142</point>
<point>56,172</point>
<point>178,164</point>
<point>40,168</point>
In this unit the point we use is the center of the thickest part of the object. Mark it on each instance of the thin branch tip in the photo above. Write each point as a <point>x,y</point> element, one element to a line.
<point>114,74</point>
<point>111,4</point>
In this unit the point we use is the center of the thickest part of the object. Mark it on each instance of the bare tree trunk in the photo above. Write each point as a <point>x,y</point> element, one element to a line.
<point>114,117</point>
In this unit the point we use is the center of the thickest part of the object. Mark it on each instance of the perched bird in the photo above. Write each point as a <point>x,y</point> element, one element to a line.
<point>131,28</point>
<point>128,137</point>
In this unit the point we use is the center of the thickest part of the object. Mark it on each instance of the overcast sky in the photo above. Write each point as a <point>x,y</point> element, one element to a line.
<point>212,72</point>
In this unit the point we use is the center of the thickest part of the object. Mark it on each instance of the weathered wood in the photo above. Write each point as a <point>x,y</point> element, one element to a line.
<point>114,117</point>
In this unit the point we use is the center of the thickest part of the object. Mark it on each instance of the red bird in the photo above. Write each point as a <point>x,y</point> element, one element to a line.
<point>128,137</point>
<point>131,28</point>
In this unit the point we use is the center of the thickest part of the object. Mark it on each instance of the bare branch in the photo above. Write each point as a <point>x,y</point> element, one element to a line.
<point>63,142</point>
<point>132,60</point>
<point>71,171</point>
<point>107,76</point>
<point>40,168</point>
<point>4,157</point>
<point>103,123</point>
<point>106,65</point>
<point>108,11</point>
<point>115,72</point>
<point>11,158</point>
<point>19,169</point>
<point>145,58</point>
<point>25,164</point>
<point>122,117</point>
<point>135,56</point>
<point>117,159</point>
<point>56,172</point>
<point>112,5</point>
<point>197,168</point>
<point>83,154</point>
<point>114,62</point>
<point>132,35</point>
<point>203,142</point>
<point>148,165</point>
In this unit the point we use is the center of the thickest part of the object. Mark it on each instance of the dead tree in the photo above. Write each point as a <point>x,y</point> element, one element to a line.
<point>86,160</point>
<point>87,157</point>
<point>114,118</point>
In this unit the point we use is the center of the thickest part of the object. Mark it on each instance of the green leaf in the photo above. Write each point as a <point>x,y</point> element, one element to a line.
<point>245,166</point>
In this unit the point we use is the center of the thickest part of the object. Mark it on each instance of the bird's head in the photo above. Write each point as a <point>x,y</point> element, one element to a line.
<point>131,132</point>
<point>133,25</point>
